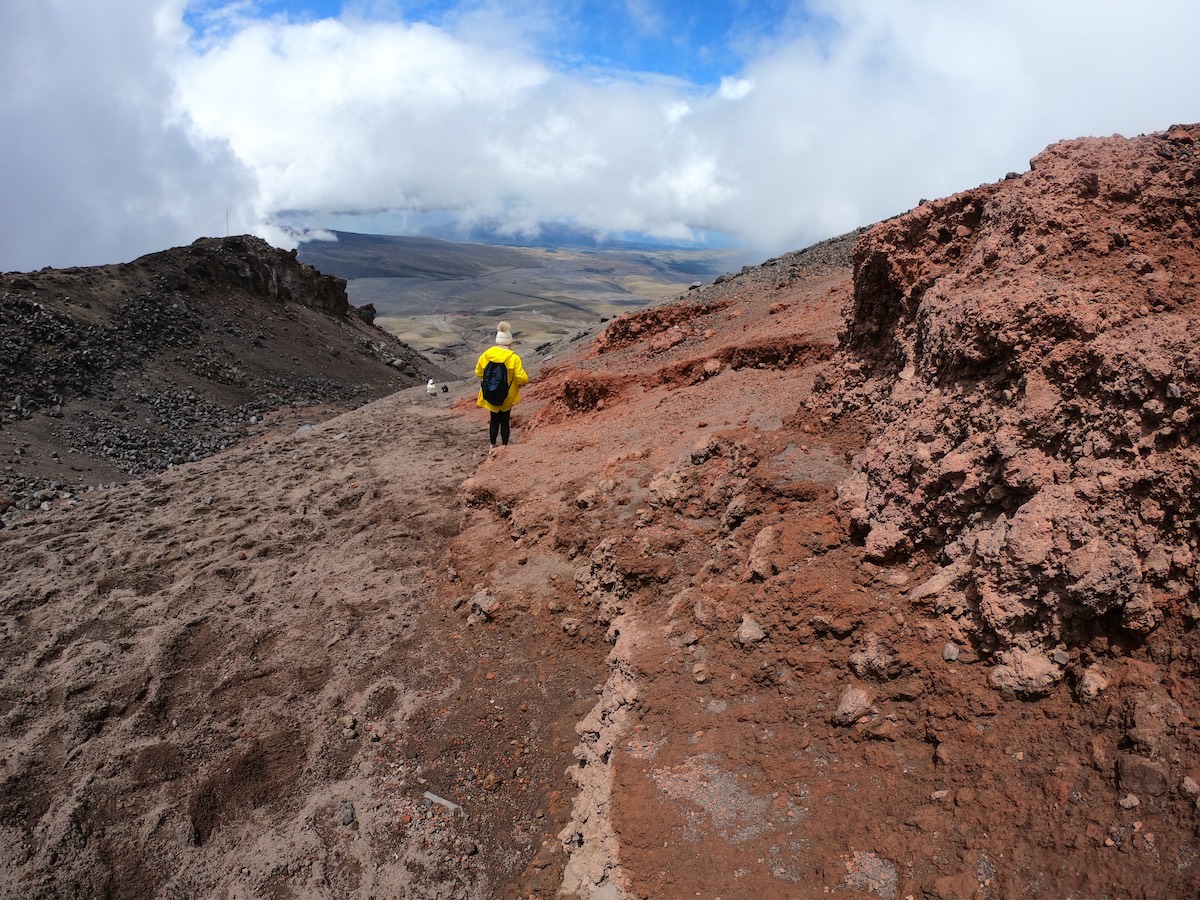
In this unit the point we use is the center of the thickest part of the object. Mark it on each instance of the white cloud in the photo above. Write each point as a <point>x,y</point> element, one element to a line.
<point>677,112</point>
<point>129,138</point>
<point>735,88</point>
<point>93,167</point>
<point>645,16</point>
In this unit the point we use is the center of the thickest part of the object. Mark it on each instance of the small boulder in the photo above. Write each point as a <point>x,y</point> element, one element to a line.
<point>345,814</point>
<point>855,702</point>
<point>1091,683</point>
<point>750,632</point>
<point>873,660</point>
<point>1141,776</point>
<point>1025,673</point>
<point>484,605</point>
<point>760,564</point>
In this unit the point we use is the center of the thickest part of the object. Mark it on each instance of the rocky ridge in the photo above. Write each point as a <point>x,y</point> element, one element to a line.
<point>124,370</point>
<point>1034,349</point>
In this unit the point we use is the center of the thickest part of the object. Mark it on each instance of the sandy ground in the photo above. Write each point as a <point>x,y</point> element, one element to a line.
<point>232,680</point>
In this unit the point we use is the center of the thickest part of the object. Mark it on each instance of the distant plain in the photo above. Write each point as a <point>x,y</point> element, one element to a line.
<point>445,298</point>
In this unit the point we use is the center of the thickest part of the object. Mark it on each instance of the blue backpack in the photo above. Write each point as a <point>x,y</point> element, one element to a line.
<point>495,383</point>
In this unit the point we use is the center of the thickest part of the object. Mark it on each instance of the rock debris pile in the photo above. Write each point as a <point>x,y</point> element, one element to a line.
<point>122,370</point>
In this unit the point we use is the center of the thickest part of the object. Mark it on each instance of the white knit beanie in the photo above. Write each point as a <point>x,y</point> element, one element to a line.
<point>504,334</point>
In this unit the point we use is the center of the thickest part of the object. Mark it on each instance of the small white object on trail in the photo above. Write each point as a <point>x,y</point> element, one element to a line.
<point>442,801</point>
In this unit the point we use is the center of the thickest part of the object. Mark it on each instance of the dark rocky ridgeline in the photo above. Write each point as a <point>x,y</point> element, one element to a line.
<point>122,370</point>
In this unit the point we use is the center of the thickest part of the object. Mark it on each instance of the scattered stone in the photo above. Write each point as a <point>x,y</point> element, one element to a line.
<point>761,563</point>
<point>894,577</point>
<point>345,814</point>
<point>950,652</point>
<point>1141,776</point>
<point>734,514</point>
<point>855,702</point>
<point>1129,801</point>
<point>750,632</point>
<point>1155,716</point>
<point>874,660</point>
<point>484,606</point>
<point>1025,673</point>
<point>839,628</point>
<point>1091,683</point>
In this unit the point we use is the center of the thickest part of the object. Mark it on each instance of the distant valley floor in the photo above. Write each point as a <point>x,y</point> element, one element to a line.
<point>444,298</point>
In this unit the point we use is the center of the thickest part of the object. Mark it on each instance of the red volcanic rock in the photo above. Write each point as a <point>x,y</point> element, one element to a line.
<point>1036,346</point>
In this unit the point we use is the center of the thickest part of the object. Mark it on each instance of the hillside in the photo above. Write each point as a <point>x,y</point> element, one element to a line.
<point>871,571</point>
<point>122,370</point>
<point>444,297</point>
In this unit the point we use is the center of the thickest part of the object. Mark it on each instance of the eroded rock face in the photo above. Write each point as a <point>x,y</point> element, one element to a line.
<point>252,264</point>
<point>1035,346</point>
<point>125,369</point>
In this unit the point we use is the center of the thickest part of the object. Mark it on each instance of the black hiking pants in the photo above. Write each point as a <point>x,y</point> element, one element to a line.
<point>498,424</point>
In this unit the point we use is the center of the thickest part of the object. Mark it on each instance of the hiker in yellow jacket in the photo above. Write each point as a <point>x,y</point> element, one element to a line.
<point>498,423</point>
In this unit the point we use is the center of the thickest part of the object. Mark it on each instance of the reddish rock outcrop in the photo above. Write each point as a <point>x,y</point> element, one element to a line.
<point>1033,347</point>
<point>906,610</point>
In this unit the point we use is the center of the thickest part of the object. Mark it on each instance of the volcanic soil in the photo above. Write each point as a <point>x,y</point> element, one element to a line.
<point>868,571</point>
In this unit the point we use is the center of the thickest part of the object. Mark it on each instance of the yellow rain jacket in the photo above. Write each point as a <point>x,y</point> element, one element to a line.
<point>516,376</point>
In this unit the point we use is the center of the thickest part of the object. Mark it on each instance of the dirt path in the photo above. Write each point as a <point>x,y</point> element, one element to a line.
<point>234,679</point>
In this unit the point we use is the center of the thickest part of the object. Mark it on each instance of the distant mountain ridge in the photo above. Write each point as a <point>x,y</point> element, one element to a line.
<point>549,235</point>
<point>444,297</point>
<point>390,256</point>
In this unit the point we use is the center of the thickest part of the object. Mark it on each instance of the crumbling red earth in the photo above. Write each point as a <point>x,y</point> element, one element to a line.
<point>915,617</point>
<point>874,578</point>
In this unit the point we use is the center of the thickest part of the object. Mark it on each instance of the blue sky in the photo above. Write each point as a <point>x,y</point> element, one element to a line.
<point>138,125</point>
<point>696,41</point>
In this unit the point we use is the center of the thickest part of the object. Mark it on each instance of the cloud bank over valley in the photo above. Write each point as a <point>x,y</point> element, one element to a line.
<point>148,123</point>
